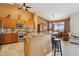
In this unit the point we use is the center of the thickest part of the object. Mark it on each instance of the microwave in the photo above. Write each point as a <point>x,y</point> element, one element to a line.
<point>19,26</point>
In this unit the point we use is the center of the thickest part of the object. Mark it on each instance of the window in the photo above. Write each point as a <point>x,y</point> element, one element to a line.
<point>59,27</point>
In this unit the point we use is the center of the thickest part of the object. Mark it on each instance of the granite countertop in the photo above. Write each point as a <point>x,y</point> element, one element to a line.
<point>33,36</point>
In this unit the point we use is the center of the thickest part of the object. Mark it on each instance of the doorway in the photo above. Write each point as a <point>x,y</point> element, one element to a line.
<point>38,28</point>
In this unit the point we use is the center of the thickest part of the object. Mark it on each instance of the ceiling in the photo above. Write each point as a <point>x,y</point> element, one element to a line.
<point>55,11</point>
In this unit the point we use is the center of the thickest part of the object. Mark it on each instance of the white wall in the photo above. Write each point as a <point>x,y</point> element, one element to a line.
<point>74,22</point>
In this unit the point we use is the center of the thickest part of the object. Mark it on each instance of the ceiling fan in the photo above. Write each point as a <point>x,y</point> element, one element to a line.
<point>24,6</point>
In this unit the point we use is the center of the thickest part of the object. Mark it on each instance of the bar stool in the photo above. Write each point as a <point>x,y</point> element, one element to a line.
<point>56,45</point>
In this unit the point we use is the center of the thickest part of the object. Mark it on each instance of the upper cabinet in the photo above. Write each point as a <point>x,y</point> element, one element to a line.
<point>5,22</point>
<point>17,16</point>
<point>13,23</point>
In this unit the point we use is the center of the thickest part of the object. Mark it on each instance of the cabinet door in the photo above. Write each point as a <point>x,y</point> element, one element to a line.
<point>14,37</point>
<point>1,39</point>
<point>10,38</point>
<point>5,23</point>
<point>13,23</point>
<point>7,38</point>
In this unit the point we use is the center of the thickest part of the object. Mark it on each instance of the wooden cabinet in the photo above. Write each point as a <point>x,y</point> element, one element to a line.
<point>5,23</point>
<point>65,36</point>
<point>8,38</point>
<point>1,37</point>
<point>13,23</point>
<point>9,23</point>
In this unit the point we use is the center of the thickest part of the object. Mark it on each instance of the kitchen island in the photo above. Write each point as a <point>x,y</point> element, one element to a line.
<point>37,45</point>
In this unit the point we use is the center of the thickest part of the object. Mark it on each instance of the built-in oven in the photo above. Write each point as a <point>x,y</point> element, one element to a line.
<point>21,31</point>
<point>20,36</point>
<point>19,26</point>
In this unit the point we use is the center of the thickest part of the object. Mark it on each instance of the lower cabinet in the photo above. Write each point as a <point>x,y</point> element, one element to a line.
<point>65,36</point>
<point>1,39</point>
<point>8,38</point>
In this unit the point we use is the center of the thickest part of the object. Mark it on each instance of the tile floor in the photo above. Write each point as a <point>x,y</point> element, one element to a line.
<point>14,49</point>
<point>68,49</point>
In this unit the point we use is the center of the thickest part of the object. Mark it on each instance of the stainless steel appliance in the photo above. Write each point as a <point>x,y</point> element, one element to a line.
<point>21,31</point>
